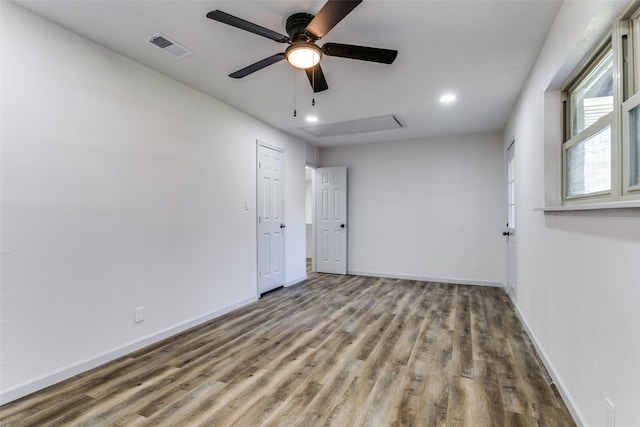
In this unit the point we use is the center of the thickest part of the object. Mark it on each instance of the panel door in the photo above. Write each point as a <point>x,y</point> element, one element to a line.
<point>271,224</point>
<point>331,220</point>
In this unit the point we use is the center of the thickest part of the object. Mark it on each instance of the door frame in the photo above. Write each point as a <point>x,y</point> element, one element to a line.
<point>511,279</point>
<point>281,150</point>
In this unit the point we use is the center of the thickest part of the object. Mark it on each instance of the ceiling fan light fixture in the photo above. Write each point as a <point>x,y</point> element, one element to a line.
<point>303,54</point>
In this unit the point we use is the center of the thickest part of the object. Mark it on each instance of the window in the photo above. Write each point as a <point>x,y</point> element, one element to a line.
<point>589,164</point>
<point>631,145</point>
<point>587,151</point>
<point>631,119</point>
<point>592,97</point>
<point>601,147</point>
<point>634,149</point>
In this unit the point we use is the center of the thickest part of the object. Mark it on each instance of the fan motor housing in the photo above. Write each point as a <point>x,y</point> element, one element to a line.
<point>296,25</point>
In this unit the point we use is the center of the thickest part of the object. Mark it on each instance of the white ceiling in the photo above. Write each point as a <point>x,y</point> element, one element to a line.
<point>481,50</point>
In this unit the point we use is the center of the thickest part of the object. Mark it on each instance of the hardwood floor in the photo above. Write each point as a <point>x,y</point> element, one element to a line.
<point>334,351</point>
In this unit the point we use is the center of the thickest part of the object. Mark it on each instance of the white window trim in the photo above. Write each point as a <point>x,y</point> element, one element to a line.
<point>607,120</point>
<point>599,125</point>
<point>628,191</point>
<point>621,194</point>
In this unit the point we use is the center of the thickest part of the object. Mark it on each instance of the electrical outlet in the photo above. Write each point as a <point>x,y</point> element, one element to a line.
<point>139,314</point>
<point>611,414</point>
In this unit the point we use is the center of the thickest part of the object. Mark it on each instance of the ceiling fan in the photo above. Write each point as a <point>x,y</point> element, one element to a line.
<point>304,29</point>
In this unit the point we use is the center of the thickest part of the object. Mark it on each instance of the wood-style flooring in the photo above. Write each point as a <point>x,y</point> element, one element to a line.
<point>333,351</point>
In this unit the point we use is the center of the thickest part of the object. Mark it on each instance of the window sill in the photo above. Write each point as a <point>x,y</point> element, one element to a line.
<point>592,207</point>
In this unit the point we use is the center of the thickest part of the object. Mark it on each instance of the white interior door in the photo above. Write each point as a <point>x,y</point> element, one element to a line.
<point>331,220</point>
<point>510,233</point>
<point>271,224</point>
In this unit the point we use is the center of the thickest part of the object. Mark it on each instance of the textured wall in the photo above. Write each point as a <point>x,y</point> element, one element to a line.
<point>578,272</point>
<point>432,209</point>
<point>120,188</point>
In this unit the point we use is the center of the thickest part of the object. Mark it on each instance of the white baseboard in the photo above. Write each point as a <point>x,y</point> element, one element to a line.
<point>25,389</point>
<point>295,281</point>
<point>557,381</point>
<point>428,279</point>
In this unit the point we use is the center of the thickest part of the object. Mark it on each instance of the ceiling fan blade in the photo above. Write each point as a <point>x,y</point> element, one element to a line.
<point>331,13</point>
<point>234,21</point>
<point>363,53</point>
<point>257,66</point>
<point>316,78</point>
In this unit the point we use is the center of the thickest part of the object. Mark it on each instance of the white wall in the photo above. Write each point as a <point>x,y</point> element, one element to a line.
<point>120,188</point>
<point>578,272</point>
<point>431,209</point>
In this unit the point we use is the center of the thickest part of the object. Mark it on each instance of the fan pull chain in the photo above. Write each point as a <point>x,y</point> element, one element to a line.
<point>313,78</point>
<point>295,98</point>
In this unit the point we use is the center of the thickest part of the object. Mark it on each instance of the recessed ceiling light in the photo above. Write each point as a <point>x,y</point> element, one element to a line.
<point>447,98</point>
<point>312,119</point>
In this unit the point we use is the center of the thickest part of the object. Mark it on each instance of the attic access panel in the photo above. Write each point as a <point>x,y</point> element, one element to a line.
<point>350,127</point>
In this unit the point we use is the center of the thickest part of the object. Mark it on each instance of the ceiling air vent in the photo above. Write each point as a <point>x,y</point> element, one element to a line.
<point>370,124</point>
<point>169,46</point>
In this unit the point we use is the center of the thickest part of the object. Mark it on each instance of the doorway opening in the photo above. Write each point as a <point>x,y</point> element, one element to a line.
<point>309,212</point>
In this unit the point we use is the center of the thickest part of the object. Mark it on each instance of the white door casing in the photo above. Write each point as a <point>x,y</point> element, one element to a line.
<point>331,220</point>
<point>510,233</point>
<point>270,212</point>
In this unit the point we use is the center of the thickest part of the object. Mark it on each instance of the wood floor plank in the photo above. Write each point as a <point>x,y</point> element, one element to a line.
<point>328,397</point>
<point>349,406</point>
<point>375,333</point>
<point>458,401</point>
<point>333,351</point>
<point>187,409</point>
<point>182,407</point>
<point>294,404</point>
<point>376,409</point>
<point>463,359</point>
<point>480,337</point>
<point>491,391</point>
<point>410,399</point>
<point>238,399</point>
<point>258,412</point>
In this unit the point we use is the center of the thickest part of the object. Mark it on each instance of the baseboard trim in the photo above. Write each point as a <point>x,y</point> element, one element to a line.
<point>428,279</point>
<point>557,381</point>
<point>63,374</point>
<point>296,281</point>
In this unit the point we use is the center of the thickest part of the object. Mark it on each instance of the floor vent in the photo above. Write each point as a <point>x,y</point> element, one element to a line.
<point>169,46</point>
<point>370,124</point>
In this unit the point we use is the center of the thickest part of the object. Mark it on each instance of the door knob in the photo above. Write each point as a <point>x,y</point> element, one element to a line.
<point>342,225</point>
<point>506,233</point>
<point>282,226</point>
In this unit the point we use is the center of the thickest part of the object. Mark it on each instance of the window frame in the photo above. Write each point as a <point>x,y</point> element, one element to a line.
<point>609,119</point>
<point>630,102</point>
<point>628,190</point>
<point>602,123</point>
<point>624,42</point>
